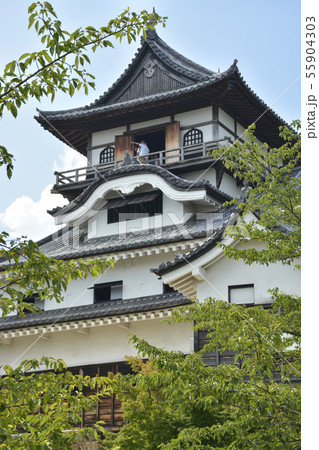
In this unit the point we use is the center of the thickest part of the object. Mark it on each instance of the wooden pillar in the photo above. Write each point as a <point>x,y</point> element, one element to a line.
<point>215,122</point>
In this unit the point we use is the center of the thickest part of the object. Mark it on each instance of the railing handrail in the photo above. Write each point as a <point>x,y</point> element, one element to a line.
<point>162,157</point>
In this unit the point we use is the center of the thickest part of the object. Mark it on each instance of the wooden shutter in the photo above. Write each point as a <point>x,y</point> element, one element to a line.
<point>122,143</point>
<point>172,141</point>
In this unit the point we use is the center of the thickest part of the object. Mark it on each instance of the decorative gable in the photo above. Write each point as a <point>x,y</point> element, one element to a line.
<point>151,77</point>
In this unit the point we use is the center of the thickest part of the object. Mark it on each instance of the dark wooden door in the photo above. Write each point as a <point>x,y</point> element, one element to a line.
<point>172,141</point>
<point>122,143</point>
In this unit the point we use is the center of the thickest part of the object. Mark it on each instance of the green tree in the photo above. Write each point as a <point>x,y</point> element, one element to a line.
<point>175,401</point>
<point>57,396</point>
<point>41,410</point>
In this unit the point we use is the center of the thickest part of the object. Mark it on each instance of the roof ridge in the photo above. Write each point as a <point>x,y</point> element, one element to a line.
<point>158,47</point>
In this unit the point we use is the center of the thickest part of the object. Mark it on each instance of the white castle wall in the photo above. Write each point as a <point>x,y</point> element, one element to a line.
<point>227,120</point>
<point>150,123</point>
<point>229,185</point>
<point>135,273</point>
<point>194,117</point>
<point>173,213</point>
<point>104,138</point>
<point>102,344</point>
<point>227,272</point>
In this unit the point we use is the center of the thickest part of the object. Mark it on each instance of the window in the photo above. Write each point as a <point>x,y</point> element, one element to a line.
<point>193,136</point>
<point>215,356</point>
<point>104,292</point>
<point>134,207</point>
<point>34,300</point>
<point>107,155</point>
<point>241,294</point>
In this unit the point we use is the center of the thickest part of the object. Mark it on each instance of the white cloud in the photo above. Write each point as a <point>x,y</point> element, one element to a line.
<point>69,159</point>
<point>26,217</point>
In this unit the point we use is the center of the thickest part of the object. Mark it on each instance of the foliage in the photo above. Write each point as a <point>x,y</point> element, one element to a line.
<point>60,65</point>
<point>176,401</point>
<point>179,402</point>
<point>25,271</point>
<point>38,408</point>
<point>274,197</point>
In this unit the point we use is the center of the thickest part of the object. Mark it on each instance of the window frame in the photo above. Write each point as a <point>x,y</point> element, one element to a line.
<point>106,285</point>
<point>241,286</point>
<point>189,136</point>
<point>105,154</point>
<point>138,210</point>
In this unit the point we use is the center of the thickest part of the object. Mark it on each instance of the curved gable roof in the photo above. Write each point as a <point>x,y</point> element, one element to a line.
<point>160,82</point>
<point>125,179</point>
<point>165,68</point>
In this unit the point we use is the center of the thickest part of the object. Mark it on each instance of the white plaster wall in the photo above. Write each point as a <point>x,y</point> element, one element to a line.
<point>104,136</point>
<point>138,281</point>
<point>200,175</point>
<point>102,344</point>
<point>173,213</point>
<point>229,185</point>
<point>150,123</point>
<point>227,120</point>
<point>77,294</point>
<point>226,272</point>
<point>190,118</point>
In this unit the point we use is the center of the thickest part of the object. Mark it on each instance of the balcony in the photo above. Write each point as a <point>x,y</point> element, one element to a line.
<point>79,178</point>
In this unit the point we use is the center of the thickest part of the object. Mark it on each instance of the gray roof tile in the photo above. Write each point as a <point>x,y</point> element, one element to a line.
<point>182,259</point>
<point>109,308</point>
<point>73,243</point>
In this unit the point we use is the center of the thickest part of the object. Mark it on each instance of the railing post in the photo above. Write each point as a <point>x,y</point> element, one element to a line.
<point>204,149</point>
<point>76,175</point>
<point>182,154</point>
<point>161,158</point>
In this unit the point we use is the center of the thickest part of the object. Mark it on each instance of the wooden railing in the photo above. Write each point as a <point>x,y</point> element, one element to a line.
<point>161,158</point>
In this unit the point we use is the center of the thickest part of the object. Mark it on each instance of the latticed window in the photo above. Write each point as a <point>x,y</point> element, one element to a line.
<point>107,155</point>
<point>193,136</point>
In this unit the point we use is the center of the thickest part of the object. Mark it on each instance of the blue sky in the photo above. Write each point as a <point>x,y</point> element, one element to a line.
<point>264,36</point>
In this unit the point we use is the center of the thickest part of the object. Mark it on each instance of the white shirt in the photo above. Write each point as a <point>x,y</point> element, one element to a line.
<point>144,150</point>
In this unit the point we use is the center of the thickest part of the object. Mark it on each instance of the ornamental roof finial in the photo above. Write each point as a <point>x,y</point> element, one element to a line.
<point>151,34</point>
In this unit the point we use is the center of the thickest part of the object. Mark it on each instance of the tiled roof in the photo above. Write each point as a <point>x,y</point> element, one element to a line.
<point>87,112</point>
<point>73,243</point>
<point>181,260</point>
<point>112,307</point>
<point>136,169</point>
<point>210,243</point>
<point>170,57</point>
<point>97,108</point>
<point>230,214</point>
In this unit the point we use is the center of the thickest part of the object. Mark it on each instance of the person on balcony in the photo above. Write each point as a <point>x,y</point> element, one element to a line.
<point>142,151</point>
